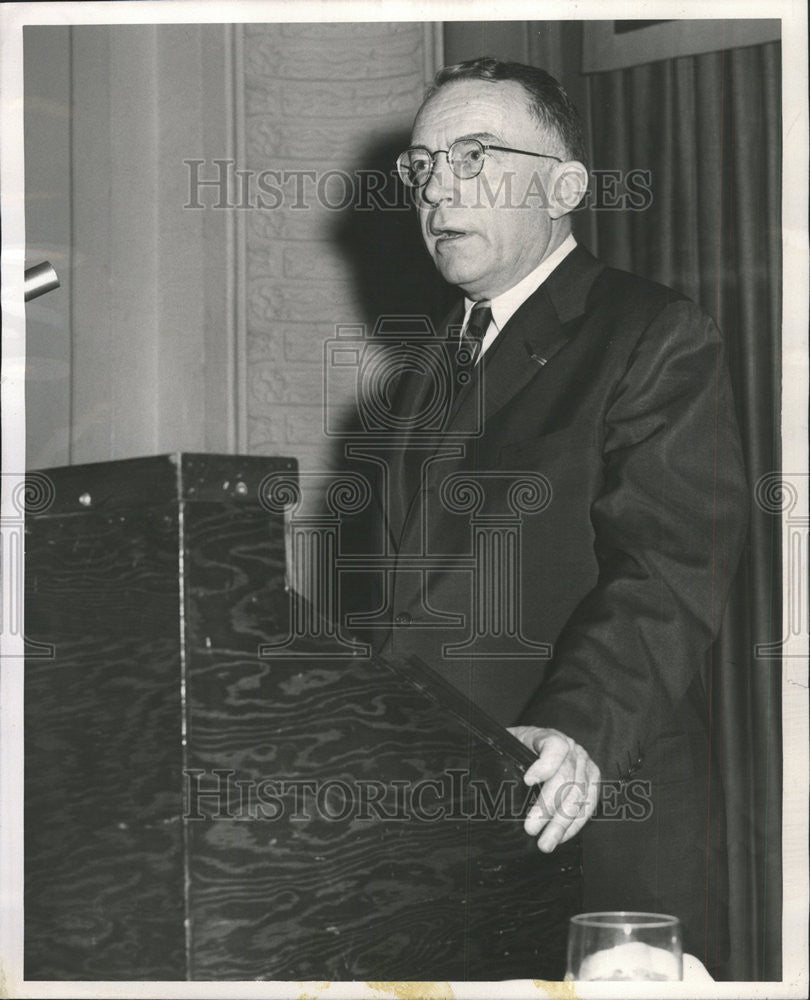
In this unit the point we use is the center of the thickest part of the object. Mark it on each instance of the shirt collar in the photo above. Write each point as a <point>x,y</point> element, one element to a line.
<point>505,305</point>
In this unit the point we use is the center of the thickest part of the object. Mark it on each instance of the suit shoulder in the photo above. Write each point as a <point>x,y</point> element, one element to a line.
<point>628,308</point>
<point>630,293</point>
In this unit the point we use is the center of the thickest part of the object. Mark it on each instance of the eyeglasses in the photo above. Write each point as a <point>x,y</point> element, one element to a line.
<point>465,156</point>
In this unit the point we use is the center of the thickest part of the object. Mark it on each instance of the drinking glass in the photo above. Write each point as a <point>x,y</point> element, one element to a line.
<point>624,946</point>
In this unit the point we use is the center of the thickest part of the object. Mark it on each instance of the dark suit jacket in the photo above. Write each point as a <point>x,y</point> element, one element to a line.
<point>607,396</point>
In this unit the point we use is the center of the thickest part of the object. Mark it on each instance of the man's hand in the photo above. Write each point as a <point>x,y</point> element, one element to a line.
<point>570,786</point>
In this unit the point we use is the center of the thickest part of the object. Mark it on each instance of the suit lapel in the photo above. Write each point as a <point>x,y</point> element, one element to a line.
<point>531,337</point>
<point>523,351</point>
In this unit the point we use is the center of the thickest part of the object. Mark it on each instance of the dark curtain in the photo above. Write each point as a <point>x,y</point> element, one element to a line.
<point>708,130</point>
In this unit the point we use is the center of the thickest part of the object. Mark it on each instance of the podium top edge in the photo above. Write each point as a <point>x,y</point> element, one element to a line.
<point>155,480</point>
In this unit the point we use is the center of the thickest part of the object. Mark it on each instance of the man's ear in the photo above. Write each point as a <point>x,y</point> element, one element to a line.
<point>568,184</point>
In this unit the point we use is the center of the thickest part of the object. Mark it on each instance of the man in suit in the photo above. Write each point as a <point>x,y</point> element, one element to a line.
<point>607,398</point>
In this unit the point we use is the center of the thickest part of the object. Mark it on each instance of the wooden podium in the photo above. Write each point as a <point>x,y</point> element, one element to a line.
<point>198,811</point>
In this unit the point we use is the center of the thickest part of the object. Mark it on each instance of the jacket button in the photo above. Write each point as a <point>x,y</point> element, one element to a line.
<point>403,618</point>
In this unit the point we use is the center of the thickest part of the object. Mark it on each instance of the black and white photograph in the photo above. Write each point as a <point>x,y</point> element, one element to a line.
<point>404,500</point>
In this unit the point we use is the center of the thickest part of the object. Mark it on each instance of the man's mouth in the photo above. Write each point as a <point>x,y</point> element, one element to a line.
<point>446,235</point>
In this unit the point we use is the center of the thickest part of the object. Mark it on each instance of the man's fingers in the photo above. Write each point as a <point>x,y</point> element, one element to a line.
<point>569,785</point>
<point>557,793</point>
<point>552,791</point>
<point>564,803</point>
<point>588,807</point>
<point>552,751</point>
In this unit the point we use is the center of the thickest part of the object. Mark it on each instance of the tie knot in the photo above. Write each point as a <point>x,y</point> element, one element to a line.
<point>479,321</point>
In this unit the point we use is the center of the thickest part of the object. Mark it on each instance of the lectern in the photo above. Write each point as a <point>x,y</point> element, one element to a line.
<point>207,801</point>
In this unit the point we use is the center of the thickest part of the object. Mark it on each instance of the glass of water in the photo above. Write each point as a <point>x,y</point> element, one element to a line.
<point>624,946</point>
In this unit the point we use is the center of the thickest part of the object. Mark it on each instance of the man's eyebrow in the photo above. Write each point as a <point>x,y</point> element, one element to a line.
<point>482,136</point>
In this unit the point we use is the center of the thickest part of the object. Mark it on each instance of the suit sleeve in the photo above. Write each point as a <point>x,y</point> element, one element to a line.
<point>669,524</point>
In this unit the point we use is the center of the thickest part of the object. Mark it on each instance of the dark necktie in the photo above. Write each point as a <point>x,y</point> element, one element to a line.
<point>469,345</point>
<point>473,333</point>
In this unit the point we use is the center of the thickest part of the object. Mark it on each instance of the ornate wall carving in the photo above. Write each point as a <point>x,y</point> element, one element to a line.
<point>324,99</point>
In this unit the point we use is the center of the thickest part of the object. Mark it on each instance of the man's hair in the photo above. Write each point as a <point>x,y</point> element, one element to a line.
<point>547,100</point>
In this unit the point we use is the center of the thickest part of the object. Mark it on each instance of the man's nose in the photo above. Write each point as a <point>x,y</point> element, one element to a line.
<point>441,182</point>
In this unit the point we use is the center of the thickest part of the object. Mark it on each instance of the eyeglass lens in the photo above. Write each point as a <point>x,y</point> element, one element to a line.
<point>465,156</point>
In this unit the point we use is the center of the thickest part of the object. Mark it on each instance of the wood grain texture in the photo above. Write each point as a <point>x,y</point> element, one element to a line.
<point>103,831</point>
<point>159,742</point>
<point>311,854</point>
<point>297,893</point>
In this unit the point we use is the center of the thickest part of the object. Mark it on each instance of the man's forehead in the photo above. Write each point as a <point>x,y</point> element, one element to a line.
<point>474,108</point>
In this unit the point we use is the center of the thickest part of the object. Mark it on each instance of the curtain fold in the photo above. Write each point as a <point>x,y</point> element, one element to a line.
<point>708,128</point>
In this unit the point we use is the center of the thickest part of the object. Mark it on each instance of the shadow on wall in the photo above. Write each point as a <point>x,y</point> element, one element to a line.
<point>379,234</point>
<point>394,279</point>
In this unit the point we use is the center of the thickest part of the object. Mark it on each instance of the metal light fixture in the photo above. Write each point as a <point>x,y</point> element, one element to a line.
<point>39,279</point>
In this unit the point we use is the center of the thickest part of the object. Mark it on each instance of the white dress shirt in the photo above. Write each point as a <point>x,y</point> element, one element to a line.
<point>504,306</point>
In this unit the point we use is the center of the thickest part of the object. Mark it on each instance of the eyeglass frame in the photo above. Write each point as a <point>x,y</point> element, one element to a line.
<point>485,147</point>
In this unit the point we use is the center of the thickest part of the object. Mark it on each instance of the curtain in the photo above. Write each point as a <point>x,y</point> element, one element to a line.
<point>708,130</point>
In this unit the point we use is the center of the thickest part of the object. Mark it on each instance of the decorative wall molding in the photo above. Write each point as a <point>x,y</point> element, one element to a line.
<point>318,98</point>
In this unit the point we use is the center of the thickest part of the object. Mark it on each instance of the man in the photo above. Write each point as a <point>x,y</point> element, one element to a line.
<point>610,393</point>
